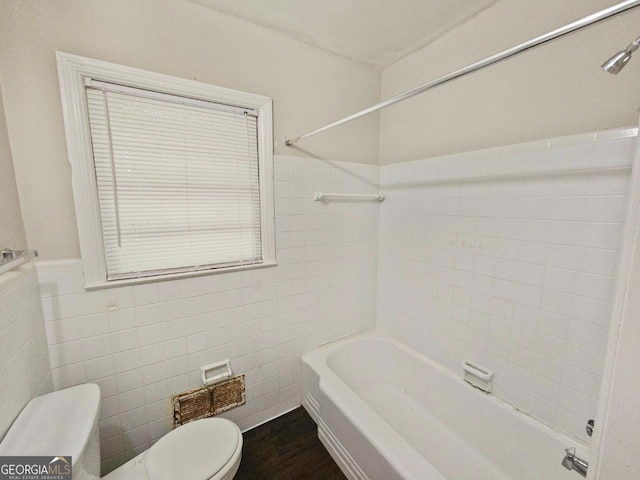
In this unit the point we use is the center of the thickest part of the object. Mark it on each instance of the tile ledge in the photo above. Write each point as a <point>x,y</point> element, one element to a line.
<point>533,146</point>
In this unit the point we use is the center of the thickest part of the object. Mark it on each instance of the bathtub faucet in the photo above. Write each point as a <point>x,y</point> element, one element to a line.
<point>571,462</point>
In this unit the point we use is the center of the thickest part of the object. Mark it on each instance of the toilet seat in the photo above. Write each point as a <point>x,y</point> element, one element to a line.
<point>207,449</point>
<point>200,450</point>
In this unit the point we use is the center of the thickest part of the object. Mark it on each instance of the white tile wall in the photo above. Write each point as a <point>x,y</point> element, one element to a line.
<point>24,359</point>
<point>505,256</point>
<point>508,257</point>
<point>142,344</point>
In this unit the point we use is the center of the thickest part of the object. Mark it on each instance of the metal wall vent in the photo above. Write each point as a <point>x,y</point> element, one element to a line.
<point>209,400</point>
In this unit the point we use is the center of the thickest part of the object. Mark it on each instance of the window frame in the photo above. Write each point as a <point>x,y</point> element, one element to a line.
<point>72,72</point>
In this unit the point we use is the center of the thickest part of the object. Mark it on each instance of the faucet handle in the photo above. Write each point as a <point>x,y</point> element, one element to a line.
<point>567,461</point>
<point>571,462</point>
<point>590,426</point>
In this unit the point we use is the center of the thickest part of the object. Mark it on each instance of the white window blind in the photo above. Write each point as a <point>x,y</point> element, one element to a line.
<point>177,180</point>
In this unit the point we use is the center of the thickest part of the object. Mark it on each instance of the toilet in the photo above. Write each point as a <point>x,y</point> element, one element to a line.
<point>207,449</point>
<point>65,423</point>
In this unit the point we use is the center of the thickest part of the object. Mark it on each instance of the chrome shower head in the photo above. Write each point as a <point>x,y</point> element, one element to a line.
<point>617,62</point>
<point>620,59</point>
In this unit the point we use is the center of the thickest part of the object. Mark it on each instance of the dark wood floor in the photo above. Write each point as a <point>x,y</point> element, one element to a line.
<point>286,448</point>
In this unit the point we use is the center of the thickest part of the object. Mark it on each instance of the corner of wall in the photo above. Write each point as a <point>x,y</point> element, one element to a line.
<point>12,232</point>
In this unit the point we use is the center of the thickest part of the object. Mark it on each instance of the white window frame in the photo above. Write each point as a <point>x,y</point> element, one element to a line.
<point>73,70</point>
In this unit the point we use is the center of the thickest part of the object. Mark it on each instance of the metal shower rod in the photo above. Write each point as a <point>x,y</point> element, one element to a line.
<point>498,57</point>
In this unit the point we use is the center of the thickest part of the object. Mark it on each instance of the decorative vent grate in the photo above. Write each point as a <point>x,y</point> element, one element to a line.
<point>209,400</point>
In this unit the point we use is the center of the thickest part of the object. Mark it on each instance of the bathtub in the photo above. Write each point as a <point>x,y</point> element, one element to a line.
<point>385,412</point>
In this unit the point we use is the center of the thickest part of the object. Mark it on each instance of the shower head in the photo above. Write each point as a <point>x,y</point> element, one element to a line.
<point>617,62</point>
<point>620,59</point>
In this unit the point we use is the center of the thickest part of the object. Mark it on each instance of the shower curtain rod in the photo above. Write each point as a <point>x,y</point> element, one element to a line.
<point>498,57</point>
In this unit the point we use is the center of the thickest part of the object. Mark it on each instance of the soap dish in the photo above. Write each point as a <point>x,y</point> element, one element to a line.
<point>478,376</point>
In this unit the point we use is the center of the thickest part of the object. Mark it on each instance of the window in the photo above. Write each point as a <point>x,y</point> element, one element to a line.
<point>171,177</point>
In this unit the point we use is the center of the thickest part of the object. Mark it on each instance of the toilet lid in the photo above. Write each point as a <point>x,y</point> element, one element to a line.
<point>195,451</point>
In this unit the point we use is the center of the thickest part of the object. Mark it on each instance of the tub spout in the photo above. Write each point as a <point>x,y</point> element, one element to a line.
<point>571,462</point>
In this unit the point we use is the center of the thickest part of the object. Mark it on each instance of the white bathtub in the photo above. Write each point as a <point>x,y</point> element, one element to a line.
<point>386,412</point>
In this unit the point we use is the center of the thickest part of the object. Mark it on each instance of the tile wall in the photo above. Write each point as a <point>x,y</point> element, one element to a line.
<point>143,343</point>
<point>24,358</point>
<point>508,257</point>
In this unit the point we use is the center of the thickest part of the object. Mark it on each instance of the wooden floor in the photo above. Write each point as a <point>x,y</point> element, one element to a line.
<point>286,448</point>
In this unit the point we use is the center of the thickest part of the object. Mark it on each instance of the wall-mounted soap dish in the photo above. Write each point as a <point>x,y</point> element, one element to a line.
<point>215,372</point>
<point>478,376</point>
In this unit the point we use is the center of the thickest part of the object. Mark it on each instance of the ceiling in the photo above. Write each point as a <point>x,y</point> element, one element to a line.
<point>375,32</point>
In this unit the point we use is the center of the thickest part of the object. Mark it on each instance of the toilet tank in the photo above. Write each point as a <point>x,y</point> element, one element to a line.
<point>62,423</point>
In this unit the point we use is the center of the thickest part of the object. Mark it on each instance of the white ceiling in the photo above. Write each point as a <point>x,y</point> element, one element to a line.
<point>376,32</point>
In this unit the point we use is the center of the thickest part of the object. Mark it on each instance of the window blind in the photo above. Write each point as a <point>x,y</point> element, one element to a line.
<point>177,180</point>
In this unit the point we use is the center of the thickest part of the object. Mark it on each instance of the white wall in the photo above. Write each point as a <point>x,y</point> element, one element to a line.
<point>617,434</point>
<point>556,89</point>
<point>142,344</point>
<point>621,437</point>
<point>508,257</point>
<point>11,226</point>
<point>309,86</point>
<point>24,358</point>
